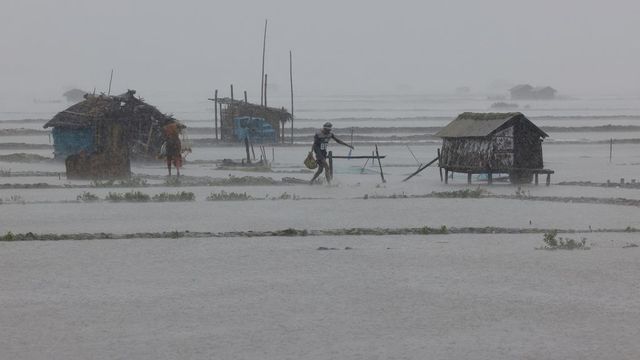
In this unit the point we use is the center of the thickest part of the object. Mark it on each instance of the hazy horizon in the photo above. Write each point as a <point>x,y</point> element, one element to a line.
<point>360,47</point>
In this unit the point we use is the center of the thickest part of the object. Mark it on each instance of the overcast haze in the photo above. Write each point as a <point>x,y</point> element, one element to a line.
<point>188,48</point>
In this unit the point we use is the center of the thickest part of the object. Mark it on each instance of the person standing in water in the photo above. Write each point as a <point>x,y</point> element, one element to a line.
<point>173,145</point>
<point>319,147</point>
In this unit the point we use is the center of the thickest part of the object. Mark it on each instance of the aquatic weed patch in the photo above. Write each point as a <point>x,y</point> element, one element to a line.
<point>179,196</point>
<point>131,196</point>
<point>554,242</point>
<point>134,181</point>
<point>87,197</point>
<point>229,196</point>
<point>292,232</point>
<point>466,193</point>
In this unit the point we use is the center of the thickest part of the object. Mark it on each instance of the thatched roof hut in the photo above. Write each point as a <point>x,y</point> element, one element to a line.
<point>75,129</point>
<point>493,143</point>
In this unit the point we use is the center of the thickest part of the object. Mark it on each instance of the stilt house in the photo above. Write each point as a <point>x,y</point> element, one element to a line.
<point>493,143</point>
<point>262,124</point>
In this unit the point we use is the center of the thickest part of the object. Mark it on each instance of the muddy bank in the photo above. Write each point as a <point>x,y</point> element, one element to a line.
<point>483,194</point>
<point>184,181</point>
<point>10,173</point>
<point>24,146</point>
<point>443,230</point>
<point>625,185</point>
<point>24,158</point>
<point>23,132</point>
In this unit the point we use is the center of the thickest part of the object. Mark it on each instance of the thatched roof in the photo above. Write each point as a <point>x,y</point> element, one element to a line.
<point>281,113</point>
<point>114,107</point>
<point>483,124</point>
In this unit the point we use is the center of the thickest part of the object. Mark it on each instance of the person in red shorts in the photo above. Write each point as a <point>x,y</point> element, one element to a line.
<point>173,146</point>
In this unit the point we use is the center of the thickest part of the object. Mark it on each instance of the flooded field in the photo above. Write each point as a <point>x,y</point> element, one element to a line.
<point>273,263</point>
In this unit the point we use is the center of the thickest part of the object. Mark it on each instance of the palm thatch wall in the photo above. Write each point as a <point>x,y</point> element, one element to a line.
<point>492,143</point>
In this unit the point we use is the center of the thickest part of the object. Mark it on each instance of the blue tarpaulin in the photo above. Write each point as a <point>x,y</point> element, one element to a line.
<point>71,141</point>
<point>257,129</point>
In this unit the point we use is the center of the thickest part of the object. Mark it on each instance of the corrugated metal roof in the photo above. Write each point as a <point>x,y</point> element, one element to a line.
<point>480,124</point>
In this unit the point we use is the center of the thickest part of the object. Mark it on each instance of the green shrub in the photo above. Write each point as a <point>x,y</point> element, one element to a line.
<point>131,196</point>
<point>87,197</point>
<point>466,193</point>
<point>225,196</point>
<point>179,196</point>
<point>553,242</point>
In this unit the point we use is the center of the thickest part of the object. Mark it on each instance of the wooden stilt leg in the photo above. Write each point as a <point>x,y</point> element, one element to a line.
<point>469,178</point>
<point>446,176</point>
<point>548,179</point>
<point>536,177</point>
<point>490,178</point>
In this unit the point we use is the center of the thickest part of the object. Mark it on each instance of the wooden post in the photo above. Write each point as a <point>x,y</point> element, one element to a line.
<point>330,164</point>
<point>253,152</point>
<point>232,94</point>
<point>215,111</point>
<point>265,90</point>
<point>246,146</point>
<point>380,164</point>
<point>610,149</point>
<point>469,178</point>
<point>245,97</point>
<point>536,178</point>
<point>439,165</point>
<point>291,81</point>
<point>446,175</point>
<point>273,154</point>
<point>548,179</point>
<point>110,79</point>
<point>220,109</point>
<point>490,178</point>
<point>264,47</point>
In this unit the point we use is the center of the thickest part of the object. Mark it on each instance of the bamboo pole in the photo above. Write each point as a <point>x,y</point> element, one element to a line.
<point>422,168</point>
<point>264,48</point>
<point>246,147</point>
<point>215,111</point>
<point>265,90</point>
<point>380,164</point>
<point>330,165</point>
<point>110,79</point>
<point>439,165</point>
<point>220,109</point>
<point>291,81</point>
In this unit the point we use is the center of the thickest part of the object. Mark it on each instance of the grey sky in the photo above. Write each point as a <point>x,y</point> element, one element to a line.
<point>188,48</point>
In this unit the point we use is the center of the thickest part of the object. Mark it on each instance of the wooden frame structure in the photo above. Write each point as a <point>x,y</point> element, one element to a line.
<point>231,108</point>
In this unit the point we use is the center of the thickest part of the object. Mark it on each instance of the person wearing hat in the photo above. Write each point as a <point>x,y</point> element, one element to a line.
<point>319,147</point>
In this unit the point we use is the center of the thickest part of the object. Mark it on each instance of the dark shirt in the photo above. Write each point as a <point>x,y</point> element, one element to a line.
<point>320,142</point>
